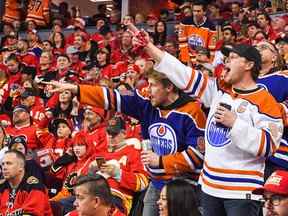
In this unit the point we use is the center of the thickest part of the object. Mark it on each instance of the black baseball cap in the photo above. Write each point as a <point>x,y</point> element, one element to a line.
<point>21,108</point>
<point>115,125</point>
<point>27,93</point>
<point>18,139</point>
<point>246,51</point>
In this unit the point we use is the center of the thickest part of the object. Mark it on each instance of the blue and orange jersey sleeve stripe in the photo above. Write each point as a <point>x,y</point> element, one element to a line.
<point>105,98</point>
<point>180,162</point>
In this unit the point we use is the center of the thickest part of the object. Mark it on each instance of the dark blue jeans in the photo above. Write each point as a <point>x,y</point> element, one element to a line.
<point>214,206</point>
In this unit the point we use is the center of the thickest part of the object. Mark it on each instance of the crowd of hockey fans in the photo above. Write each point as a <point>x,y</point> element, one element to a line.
<point>110,116</point>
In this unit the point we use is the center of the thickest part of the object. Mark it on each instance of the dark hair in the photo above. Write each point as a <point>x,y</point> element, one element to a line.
<point>160,37</point>
<point>232,31</point>
<point>261,32</point>
<point>64,56</point>
<point>62,37</point>
<point>181,198</point>
<point>18,154</point>
<point>235,2</point>
<point>47,41</point>
<point>200,3</point>
<point>12,57</point>
<point>96,185</point>
<point>266,15</point>
<point>253,23</point>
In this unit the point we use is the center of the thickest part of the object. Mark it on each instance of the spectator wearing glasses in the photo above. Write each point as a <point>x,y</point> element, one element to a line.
<point>275,194</point>
<point>219,195</point>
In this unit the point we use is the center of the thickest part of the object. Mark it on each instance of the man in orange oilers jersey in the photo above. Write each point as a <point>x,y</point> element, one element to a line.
<point>195,31</point>
<point>172,121</point>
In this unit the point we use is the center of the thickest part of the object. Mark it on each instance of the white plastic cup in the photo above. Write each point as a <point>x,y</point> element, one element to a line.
<point>146,145</point>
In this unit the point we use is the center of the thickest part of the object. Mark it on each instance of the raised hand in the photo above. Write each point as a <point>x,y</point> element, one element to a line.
<point>60,87</point>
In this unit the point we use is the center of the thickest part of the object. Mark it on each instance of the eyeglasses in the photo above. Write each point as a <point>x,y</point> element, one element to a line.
<point>275,200</point>
<point>265,46</point>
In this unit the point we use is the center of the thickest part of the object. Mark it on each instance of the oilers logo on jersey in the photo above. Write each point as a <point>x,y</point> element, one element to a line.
<point>194,41</point>
<point>217,135</point>
<point>163,138</point>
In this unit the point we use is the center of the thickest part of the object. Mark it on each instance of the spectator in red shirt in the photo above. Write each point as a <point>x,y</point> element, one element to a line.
<point>21,194</point>
<point>25,57</point>
<point>252,29</point>
<point>125,52</point>
<point>13,69</point>
<point>264,21</point>
<point>22,126</point>
<point>77,64</point>
<point>95,128</point>
<point>58,43</point>
<point>79,29</point>
<point>80,43</point>
<point>278,25</point>
<point>103,63</point>
<point>47,46</point>
<point>36,107</point>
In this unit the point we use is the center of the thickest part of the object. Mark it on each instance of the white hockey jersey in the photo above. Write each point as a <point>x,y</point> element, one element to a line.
<point>234,157</point>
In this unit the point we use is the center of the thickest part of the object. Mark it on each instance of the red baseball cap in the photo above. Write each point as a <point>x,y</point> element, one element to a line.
<point>277,183</point>
<point>99,111</point>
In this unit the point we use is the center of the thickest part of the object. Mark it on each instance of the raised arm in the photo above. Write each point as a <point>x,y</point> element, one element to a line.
<point>192,81</point>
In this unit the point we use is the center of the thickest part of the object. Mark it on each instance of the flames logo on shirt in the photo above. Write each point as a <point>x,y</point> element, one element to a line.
<point>163,138</point>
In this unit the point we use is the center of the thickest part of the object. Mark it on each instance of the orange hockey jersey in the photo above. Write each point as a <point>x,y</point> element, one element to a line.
<point>38,11</point>
<point>191,36</point>
<point>12,11</point>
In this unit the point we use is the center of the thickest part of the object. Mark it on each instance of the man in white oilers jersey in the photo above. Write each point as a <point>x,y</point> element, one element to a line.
<point>243,128</point>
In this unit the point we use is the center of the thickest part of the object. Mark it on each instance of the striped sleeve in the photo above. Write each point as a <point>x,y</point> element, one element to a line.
<point>181,162</point>
<point>105,98</point>
<point>261,141</point>
<point>193,82</point>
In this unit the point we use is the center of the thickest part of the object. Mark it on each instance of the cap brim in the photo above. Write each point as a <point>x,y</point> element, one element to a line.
<point>225,50</point>
<point>20,109</point>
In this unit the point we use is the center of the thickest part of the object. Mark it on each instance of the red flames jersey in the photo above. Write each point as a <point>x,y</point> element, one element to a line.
<point>133,176</point>
<point>98,139</point>
<point>30,198</point>
<point>28,59</point>
<point>29,132</point>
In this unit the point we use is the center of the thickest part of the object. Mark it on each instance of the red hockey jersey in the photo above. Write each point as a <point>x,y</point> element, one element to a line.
<point>29,132</point>
<point>30,198</point>
<point>133,176</point>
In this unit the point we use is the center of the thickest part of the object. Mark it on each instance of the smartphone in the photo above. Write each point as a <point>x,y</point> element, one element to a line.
<point>100,161</point>
<point>227,106</point>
